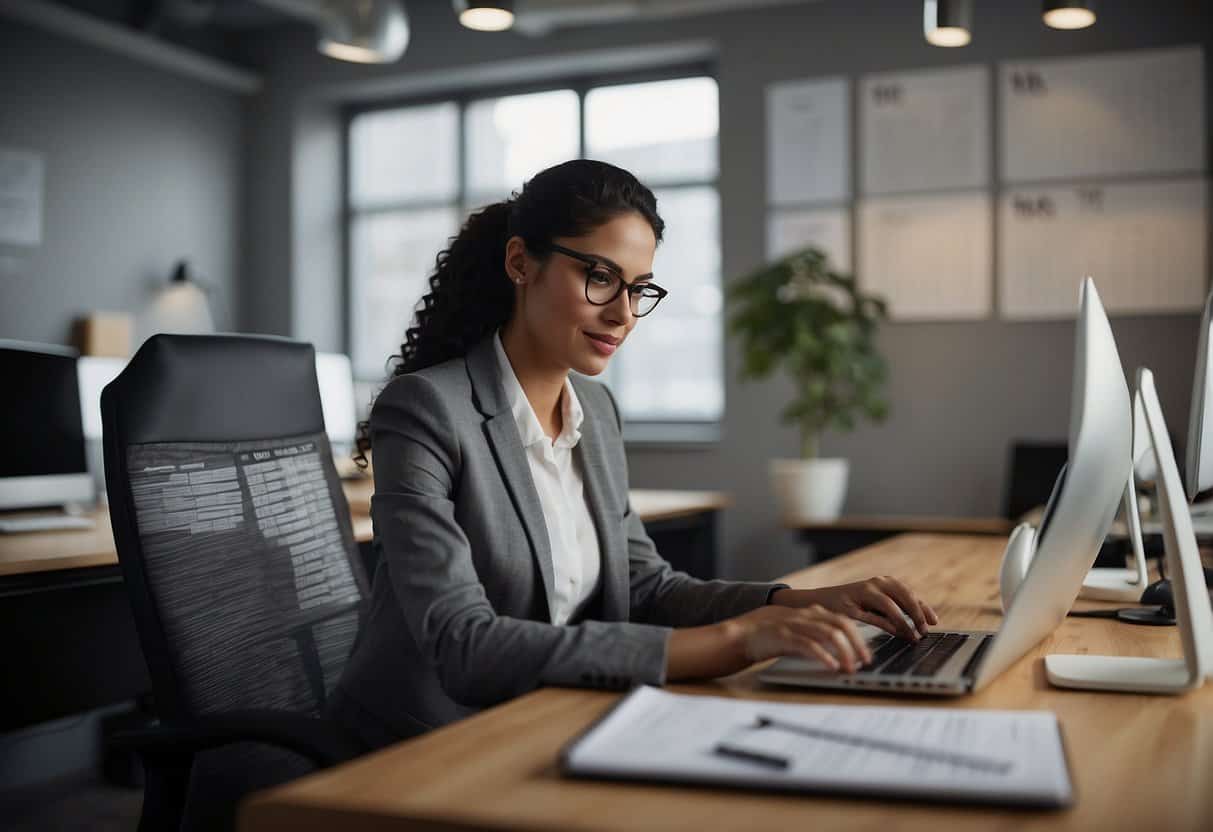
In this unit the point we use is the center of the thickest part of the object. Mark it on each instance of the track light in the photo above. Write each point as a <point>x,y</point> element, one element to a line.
<point>1069,14</point>
<point>486,15</point>
<point>947,22</point>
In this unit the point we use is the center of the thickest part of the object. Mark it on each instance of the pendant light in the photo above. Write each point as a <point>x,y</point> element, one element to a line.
<point>947,22</point>
<point>486,15</point>
<point>1069,14</point>
<point>365,31</point>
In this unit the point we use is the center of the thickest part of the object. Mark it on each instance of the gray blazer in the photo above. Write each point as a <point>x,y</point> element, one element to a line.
<point>459,615</point>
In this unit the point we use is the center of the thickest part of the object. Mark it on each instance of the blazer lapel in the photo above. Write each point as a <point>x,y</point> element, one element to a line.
<point>502,434</point>
<point>608,517</point>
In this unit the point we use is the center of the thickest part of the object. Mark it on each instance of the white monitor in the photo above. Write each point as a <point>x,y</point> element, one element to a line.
<point>1198,467</point>
<point>94,372</point>
<point>1088,491</point>
<point>42,457</point>
<point>337,399</point>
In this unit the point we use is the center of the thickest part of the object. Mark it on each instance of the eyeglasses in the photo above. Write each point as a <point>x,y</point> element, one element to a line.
<point>603,283</point>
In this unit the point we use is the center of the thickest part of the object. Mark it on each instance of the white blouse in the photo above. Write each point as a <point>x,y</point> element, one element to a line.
<point>576,565</point>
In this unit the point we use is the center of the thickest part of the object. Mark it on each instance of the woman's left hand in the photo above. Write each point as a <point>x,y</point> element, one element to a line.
<point>879,601</point>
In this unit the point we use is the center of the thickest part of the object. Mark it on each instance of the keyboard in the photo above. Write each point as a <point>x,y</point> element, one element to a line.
<point>893,656</point>
<point>45,523</point>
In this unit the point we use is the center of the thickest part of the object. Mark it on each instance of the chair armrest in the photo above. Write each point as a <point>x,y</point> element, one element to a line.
<point>317,739</point>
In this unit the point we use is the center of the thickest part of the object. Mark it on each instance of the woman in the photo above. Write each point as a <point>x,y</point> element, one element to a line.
<point>509,556</point>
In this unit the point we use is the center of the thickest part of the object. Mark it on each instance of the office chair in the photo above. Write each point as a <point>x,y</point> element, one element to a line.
<point>239,561</point>
<point>1031,473</point>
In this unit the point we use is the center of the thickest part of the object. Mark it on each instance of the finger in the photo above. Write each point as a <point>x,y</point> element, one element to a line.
<point>882,604</point>
<point>818,615</point>
<point>820,631</point>
<point>860,645</point>
<point>812,648</point>
<point>932,617</point>
<point>906,600</point>
<point>841,645</point>
<point>878,620</point>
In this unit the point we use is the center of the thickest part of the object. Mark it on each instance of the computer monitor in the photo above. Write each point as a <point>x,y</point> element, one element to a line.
<point>94,372</point>
<point>1198,467</point>
<point>335,377</point>
<point>1086,496</point>
<point>42,459</point>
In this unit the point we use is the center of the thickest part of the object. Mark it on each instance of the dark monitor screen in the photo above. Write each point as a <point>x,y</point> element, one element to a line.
<point>1051,506</point>
<point>40,430</point>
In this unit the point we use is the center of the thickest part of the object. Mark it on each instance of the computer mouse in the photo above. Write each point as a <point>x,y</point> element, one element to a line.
<point>1159,593</point>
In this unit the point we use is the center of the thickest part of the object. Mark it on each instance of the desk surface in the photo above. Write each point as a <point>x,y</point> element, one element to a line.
<point>31,552</point>
<point>907,523</point>
<point>1139,762</point>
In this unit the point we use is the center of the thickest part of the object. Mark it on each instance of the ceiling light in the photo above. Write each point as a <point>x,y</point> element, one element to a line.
<point>486,15</point>
<point>364,31</point>
<point>947,22</point>
<point>1069,14</point>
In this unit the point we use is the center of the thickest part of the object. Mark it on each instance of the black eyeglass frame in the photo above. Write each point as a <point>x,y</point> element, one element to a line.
<point>591,262</point>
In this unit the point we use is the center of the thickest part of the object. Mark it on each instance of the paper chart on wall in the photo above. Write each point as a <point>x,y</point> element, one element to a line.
<point>826,228</point>
<point>929,256</point>
<point>22,175</point>
<point>925,130</point>
<point>1144,243</point>
<point>808,141</point>
<point>1125,113</point>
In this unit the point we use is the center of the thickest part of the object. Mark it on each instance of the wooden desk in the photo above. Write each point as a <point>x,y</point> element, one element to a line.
<point>831,538</point>
<point>1139,762</point>
<point>33,552</point>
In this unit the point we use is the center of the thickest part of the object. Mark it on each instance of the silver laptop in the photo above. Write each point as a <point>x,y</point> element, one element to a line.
<point>1079,513</point>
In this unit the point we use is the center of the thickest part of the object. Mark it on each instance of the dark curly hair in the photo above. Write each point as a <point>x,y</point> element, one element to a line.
<point>470,294</point>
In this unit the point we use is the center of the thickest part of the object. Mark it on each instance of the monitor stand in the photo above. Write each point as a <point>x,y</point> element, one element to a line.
<point>1192,610</point>
<point>1127,584</point>
<point>1103,584</point>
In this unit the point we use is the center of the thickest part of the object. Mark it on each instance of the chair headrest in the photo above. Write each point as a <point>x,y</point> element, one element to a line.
<point>215,388</point>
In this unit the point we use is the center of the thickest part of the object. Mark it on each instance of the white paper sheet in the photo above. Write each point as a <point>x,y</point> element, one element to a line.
<point>929,256</point>
<point>1124,113</point>
<point>828,229</point>
<point>664,736</point>
<point>1144,243</point>
<point>808,141</point>
<point>21,187</point>
<point>925,131</point>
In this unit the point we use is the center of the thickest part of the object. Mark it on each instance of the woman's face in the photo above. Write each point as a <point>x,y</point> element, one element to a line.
<point>564,326</point>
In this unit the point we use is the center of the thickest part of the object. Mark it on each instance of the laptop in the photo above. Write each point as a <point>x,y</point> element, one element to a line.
<point>1076,521</point>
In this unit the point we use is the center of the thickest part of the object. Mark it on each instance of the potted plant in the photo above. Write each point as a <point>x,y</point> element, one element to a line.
<point>798,315</point>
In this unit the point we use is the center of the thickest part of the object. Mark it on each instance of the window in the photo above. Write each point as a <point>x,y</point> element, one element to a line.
<point>416,171</point>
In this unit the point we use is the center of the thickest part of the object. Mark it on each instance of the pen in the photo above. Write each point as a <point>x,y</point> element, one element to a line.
<point>992,765</point>
<point>761,757</point>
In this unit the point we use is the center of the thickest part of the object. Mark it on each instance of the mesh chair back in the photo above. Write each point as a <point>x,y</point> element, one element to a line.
<point>232,531</point>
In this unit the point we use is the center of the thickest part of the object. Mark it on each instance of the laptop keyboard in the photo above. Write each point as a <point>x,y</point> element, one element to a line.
<point>892,656</point>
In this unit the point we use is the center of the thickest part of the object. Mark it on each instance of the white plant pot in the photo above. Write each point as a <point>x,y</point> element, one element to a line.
<point>810,489</point>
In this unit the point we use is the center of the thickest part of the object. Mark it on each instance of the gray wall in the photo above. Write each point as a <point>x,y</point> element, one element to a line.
<point>960,391</point>
<point>142,168</point>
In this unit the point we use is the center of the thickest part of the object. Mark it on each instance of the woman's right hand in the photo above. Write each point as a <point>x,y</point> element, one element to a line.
<point>810,632</point>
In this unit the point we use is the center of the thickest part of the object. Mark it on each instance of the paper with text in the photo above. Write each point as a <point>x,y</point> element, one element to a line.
<point>656,735</point>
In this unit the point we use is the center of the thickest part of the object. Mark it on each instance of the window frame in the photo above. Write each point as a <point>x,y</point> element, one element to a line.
<point>682,432</point>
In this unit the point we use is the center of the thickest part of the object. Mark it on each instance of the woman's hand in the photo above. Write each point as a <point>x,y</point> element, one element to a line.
<point>882,601</point>
<point>811,632</point>
<point>732,645</point>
